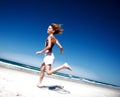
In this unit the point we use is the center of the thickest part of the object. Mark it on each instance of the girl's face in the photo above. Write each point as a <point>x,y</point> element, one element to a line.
<point>50,30</point>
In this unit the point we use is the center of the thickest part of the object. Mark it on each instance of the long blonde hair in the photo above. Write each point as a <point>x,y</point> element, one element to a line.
<point>57,27</point>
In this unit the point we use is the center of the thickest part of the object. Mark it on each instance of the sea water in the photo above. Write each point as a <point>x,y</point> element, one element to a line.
<point>62,75</point>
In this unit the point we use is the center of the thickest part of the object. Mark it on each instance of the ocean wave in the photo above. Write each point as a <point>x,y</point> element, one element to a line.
<point>62,75</point>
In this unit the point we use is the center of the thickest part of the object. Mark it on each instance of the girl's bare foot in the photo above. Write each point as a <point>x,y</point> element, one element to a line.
<point>39,85</point>
<point>67,66</point>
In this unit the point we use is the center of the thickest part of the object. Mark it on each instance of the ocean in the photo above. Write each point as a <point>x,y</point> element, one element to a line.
<point>62,75</point>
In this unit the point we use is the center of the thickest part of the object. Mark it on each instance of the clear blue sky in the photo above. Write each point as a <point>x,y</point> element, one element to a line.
<point>91,37</point>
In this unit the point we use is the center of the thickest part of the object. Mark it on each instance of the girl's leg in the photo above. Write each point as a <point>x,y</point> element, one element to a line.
<point>51,71</point>
<point>41,74</point>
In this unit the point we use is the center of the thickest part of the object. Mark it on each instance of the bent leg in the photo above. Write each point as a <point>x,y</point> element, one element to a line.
<point>51,71</point>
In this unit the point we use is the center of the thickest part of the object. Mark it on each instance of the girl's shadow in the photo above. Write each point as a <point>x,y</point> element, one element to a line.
<point>57,88</point>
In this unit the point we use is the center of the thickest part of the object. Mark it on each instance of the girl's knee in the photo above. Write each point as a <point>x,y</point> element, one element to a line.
<point>48,72</point>
<point>41,69</point>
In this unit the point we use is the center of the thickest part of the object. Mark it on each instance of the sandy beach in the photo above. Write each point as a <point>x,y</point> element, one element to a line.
<point>18,82</point>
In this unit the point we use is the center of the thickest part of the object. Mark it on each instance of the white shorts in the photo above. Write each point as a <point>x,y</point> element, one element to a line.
<point>49,58</point>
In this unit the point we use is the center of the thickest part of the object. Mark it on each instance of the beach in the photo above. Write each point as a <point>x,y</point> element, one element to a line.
<point>19,82</point>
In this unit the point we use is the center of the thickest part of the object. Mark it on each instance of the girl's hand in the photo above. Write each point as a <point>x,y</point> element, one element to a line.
<point>38,52</point>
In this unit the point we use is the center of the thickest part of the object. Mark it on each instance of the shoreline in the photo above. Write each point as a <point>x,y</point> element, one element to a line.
<point>19,82</point>
<point>16,67</point>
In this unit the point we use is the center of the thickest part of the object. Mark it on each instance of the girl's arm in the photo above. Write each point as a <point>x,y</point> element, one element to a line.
<point>60,46</point>
<point>46,48</point>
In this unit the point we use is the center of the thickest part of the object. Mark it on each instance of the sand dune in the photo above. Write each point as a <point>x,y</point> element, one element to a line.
<point>16,82</point>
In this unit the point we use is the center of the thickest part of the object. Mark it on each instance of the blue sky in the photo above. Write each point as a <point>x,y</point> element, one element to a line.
<point>91,37</point>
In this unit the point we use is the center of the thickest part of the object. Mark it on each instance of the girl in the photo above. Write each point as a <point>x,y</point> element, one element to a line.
<point>49,56</point>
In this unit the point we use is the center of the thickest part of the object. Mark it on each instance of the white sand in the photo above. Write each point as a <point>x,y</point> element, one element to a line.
<point>19,83</point>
